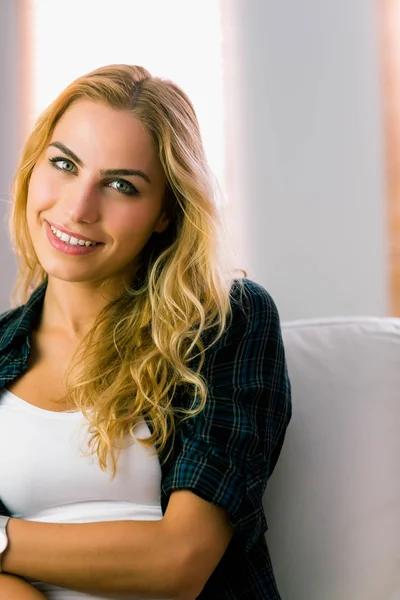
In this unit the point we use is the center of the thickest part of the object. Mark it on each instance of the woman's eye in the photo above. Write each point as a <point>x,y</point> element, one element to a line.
<point>125,187</point>
<point>62,164</point>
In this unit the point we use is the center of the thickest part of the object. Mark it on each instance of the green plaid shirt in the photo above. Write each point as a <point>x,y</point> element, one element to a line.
<point>226,453</point>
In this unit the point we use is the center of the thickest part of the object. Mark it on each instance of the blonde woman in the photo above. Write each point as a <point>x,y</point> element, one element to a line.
<point>144,394</point>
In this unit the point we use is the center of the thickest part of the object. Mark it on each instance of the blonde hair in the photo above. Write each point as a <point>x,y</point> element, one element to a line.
<point>147,345</point>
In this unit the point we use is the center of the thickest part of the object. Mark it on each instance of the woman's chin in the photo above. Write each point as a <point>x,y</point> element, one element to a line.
<point>72,275</point>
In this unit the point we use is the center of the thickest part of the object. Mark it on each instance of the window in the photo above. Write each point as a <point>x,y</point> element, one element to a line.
<point>175,39</point>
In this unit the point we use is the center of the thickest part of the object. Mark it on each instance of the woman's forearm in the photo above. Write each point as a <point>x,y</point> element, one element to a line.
<point>122,556</point>
<point>15,588</point>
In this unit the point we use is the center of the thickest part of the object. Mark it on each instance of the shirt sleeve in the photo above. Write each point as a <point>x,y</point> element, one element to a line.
<point>227,452</point>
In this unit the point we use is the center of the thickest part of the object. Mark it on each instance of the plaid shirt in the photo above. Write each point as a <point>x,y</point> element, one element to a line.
<point>226,453</point>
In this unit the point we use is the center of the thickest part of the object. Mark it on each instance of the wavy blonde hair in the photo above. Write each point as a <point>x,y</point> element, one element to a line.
<point>147,345</point>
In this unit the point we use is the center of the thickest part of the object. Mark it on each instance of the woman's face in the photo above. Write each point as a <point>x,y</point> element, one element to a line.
<point>98,180</point>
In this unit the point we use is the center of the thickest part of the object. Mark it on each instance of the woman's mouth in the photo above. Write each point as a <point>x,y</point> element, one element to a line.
<point>71,240</point>
<point>69,244</point>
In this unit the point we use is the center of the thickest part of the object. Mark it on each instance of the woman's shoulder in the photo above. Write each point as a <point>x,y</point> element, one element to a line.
<point>9,323</point>
<point>252,302</point>
<point>22,319</point>
<point>9,316</point>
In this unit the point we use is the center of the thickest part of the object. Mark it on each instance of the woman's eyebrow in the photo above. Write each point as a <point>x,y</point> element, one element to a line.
<point>116,172</point>
<point>103,172</point>
<point>67,151</point>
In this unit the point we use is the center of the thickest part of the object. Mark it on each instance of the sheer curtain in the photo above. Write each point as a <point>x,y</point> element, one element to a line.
<point>390,68</point>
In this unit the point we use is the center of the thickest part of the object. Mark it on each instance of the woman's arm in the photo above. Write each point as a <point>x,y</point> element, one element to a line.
<point>171,558</point>
<point>15,588</point>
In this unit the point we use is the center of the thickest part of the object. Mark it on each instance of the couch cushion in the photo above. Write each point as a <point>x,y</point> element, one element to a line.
<point>333,502</point>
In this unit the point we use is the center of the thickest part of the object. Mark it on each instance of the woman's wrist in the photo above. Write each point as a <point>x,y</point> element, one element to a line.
<point>15,528</point>
<point>4,539</point>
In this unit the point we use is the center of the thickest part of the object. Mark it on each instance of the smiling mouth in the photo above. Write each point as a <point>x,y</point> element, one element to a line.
<point>71,240</point>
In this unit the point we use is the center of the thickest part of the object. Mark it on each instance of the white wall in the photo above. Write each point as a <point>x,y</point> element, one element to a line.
<point>9,137</point>
<point>304,148</point>
<point>306,152</point>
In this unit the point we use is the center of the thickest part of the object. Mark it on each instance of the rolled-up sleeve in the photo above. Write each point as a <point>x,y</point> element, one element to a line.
<point>227,452</point>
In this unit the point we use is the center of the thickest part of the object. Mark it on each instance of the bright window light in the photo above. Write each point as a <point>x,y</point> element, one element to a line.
<point>175,39</point>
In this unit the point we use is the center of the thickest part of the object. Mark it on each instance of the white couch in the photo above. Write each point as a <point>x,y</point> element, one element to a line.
<point>333,501</point>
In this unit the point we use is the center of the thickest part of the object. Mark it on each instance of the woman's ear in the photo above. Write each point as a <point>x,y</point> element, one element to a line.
<point>161,223</point>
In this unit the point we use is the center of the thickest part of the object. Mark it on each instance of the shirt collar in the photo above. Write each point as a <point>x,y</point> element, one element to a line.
<point>23,323</point>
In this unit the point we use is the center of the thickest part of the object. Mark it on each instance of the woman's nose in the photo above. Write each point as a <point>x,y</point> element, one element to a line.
<point>82,203</point>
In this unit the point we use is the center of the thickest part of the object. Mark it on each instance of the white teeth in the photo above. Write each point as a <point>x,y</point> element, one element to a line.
<point>72,241</point>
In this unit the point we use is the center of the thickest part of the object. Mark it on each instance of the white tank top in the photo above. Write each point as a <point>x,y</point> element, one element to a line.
<point>44,476</point>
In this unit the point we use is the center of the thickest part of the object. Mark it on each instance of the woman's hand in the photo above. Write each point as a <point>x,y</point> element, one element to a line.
<point>15,588</point>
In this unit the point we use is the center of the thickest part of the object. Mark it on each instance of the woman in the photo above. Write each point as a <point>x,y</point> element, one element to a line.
<point>144,394</point>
